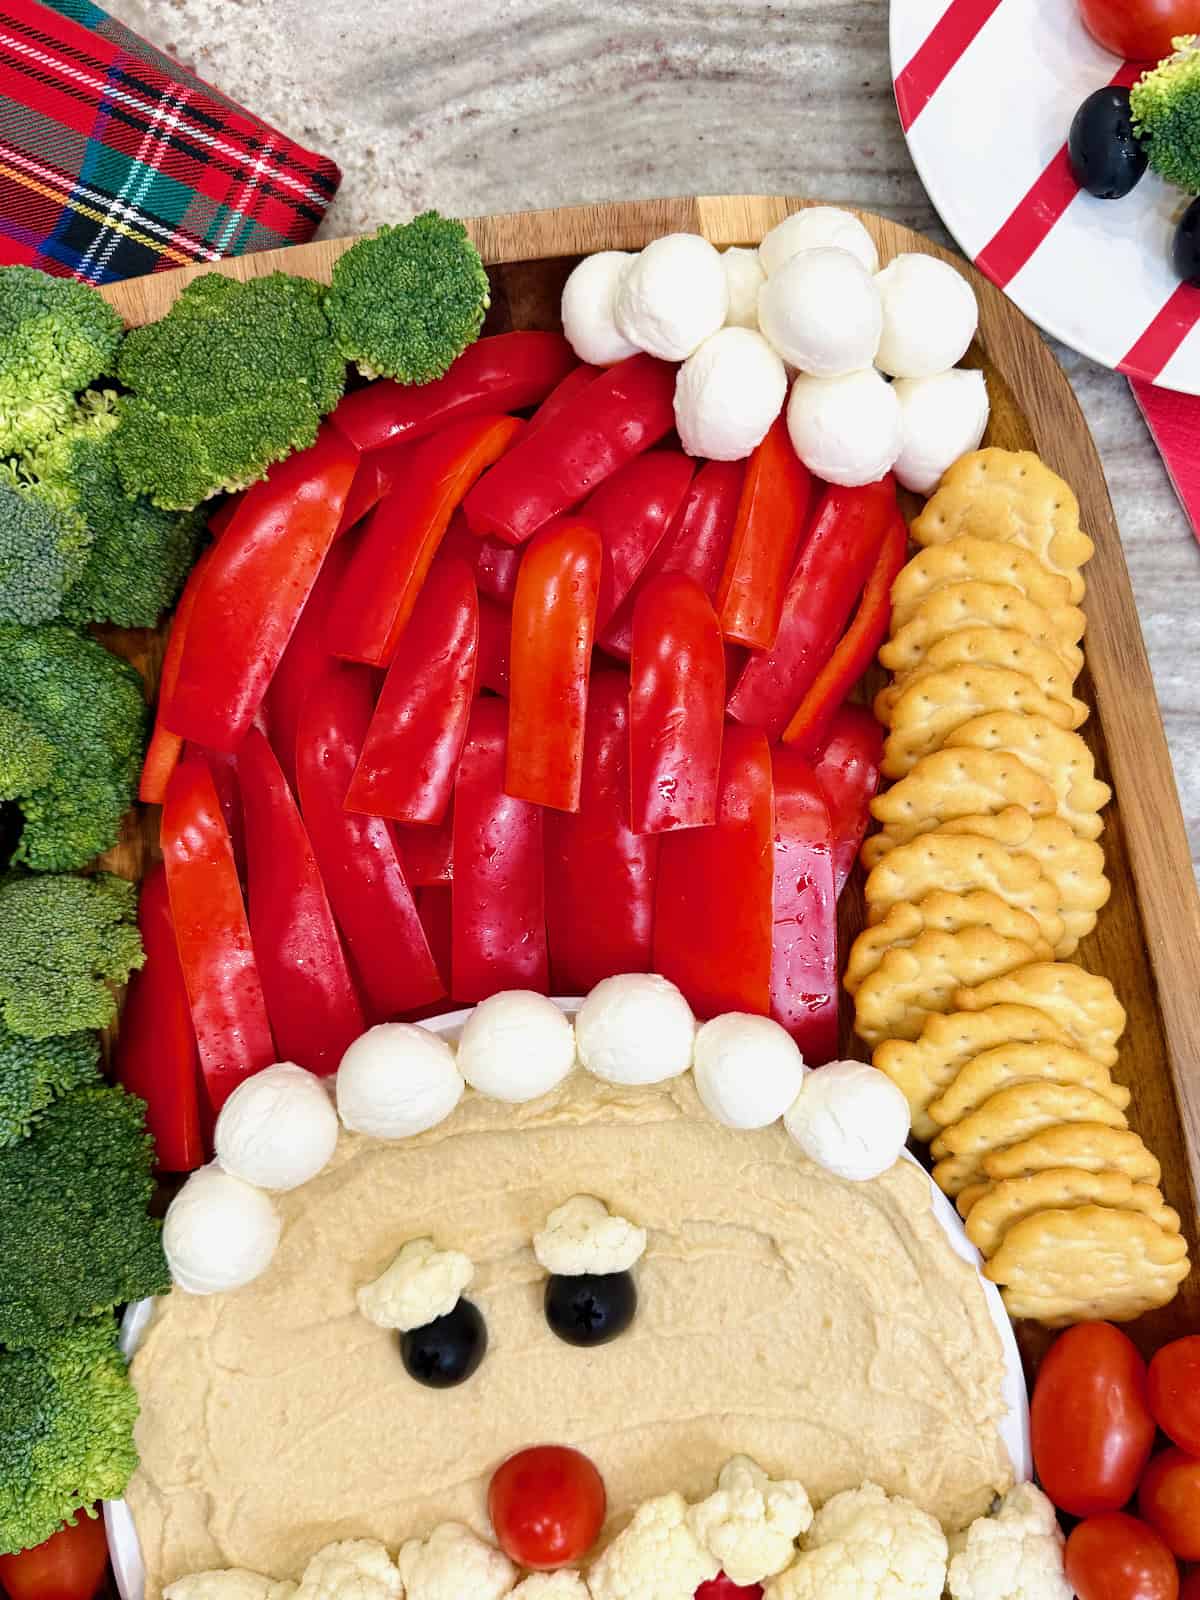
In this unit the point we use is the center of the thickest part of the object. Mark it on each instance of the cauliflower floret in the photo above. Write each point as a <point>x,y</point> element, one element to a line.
<point>423,1283</point>
<point>453,1564</point>
<point>551,1586</point>
<point>1015,1555</point>
<point>582,1235</point>
<point>751,1522</point>
<point>657,1557</point>
<point>352,1569</point>
<point>864,1546</point>
<point>234,1583</point>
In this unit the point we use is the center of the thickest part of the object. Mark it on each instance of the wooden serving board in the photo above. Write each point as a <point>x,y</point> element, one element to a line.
<point>1148,938</point>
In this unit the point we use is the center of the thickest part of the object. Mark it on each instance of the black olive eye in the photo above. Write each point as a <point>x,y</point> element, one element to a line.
<point>1106,159</point>
<point>591,1308</point>
<point>447,1350</point>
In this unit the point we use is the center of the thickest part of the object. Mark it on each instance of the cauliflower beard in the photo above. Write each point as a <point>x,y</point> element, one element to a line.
<point>823,1327</point>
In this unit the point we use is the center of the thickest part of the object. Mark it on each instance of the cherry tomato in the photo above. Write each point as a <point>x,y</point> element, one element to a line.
<point>1175,1392</point>
<point>1092,1428</point>
<point>1140,30</point>
<point>547,1506</point>
<point>1119,1558</point>
<point>723,1588</point>
<point>1169,1499</point>
<point>69,1566</point>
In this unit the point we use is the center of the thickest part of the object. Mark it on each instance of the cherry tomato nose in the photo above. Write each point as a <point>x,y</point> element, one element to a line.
<point>547,1506</point>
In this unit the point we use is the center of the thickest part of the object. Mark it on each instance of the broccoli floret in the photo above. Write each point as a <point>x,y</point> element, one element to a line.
<point>66,1431</point>
<point>407,302</point>
<point>88,706</point>
<point>56,337</point>
<point>35,1072</point>
<point>76,1235</point>
<point>1166,114</point>
<point>63,941</point>
<point>43,549</point>
<point>234,377</point>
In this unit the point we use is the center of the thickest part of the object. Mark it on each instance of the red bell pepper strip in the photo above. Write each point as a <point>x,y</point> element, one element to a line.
<point>856,650</point>
<point>411,750</point>
<point>504,372</point>
<point>770,519</point>
<point>433,907</point>
<point>222,515</point>
<point>428,853</point>
<point>376,475</point>
<point>223,767</point>
<point>311,1001</point>
<point>847,768</point>
<point>155,1054</point>
<point>498,906</point>
<point>399,543</point>
<point>216,953</point>
<point>496,568</point>
<point>253,590</point>
<point>804,968</point>
<point>164,748</point>
<point>594,860</point>
<point>356,855</point>
<point>696,544</point>
<point>713,905</point>
<point>607,423</point>
<point>837,556</point>
<point>561,395</point>
<point>495,644</point>
<point>677,685</point>
<point>554,618</point>
<point>632,512</point>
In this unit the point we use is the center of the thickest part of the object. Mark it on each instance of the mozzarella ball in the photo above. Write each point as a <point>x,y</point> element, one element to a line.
<point>636,1028</point>
<point>673,296</point>
<point>809,230</point>
<point>219,1233</point>
<point>941,418</point>
<point>850,1119</point>
<point>929,316</point>
<point>278,1129</point>
<point>744,277</point>
<point>516,1046</point>
<point>588,299</point>
<point>845,430</point>
<point>821,311</point>
<point>748,1070</point>
<point>396,1080</point>
<point>727,394</point>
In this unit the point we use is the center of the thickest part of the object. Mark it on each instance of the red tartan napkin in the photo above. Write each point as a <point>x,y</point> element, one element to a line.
<point>1174,423</point>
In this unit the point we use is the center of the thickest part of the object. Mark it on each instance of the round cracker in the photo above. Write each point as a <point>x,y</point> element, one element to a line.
<point>1022,1109</point>
<point>995,1069</point>
<point>973,603</point>
<point>994,647</point>
<point>930,709</point>
<point>1057,754</point>
<point>1061,1189</point>
<point>1091,1145</point>
<point>1084,1004</point>
<point>913,980</point>
<point>967,558</point>
<point>960,783</point>
<point>948,912</point>
<point>1010,827</point>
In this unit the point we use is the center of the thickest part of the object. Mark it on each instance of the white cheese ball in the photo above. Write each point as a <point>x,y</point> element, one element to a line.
<point>636,1028</point>
<point>219,1233</point>
<point>278,1129</point>
<point>941,418</point>
<point>845,430</point>
<point>588,300</point>
<point>747,1069</point>
<point>516,1046</point>
<point>929,316</point>
<point>396,1080</point>
<point>582,1235</point>
<point>673,296</point>
<point>421,1284</point>
<point>454,1564</point>
<point>744,277</point>
<point>821,312</point>
<point>813,228</point>
<point>727,394</point>
<point>850,1119</point>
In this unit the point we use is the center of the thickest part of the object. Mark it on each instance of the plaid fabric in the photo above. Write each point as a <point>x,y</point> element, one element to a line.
<point>115,161</point>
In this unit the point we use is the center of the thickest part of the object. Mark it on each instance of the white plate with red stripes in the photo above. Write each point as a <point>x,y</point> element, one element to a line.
<point>986,90</point>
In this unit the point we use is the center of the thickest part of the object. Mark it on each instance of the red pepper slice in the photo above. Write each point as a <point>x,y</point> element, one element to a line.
<point>857,647</point>
<point>504,372</point>
<point>357,856</point>
<point>428,853</point>
<point>495,645</point>
<point>770,519</point>
<point>496,568</point>
<point>399,543</point>
<point>222,764</point>
<point>594,860</point>
<point>554,616</point>
<point>632,512</point>
<point>155,1053</point>
<point>696,544</point>
<point>561,395</point>
<point>847,768</point>
<point>314,1010</point>
<point>677,685</point>
<point>804,968</point>
<point>410,754</point>
<point>614,418</point>
<point>253,590</point>
<point>164,748</point>
<point>376,475</point>
<point>713,906</point>
<point>828,578</point>
<point>498,906</point>
<point>216,953</point>
<point>433,907</point>
<point>222,515</point>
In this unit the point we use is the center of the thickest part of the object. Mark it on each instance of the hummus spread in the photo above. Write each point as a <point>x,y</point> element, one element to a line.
<point>823,1327</point>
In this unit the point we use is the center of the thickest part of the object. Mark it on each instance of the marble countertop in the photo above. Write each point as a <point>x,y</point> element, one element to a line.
<point>506,105</point>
